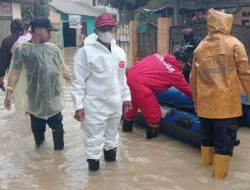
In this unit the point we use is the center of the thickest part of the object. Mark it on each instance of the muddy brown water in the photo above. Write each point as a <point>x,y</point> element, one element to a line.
<point>158,164</point>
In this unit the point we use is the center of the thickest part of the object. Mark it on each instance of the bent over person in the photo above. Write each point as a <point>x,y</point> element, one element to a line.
<point>220,64</point>
<point>100,91</point>
<point>152,74</point>
<point>35,79</point>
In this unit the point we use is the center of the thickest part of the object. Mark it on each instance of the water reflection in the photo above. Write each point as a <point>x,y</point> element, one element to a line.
<point>163,163</point>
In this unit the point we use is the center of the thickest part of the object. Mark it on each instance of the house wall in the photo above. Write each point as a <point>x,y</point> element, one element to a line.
<point>13,11</point>
<point>16,10</point>
<point>56,37</point>
<point>242,17</point>
<point>90,23</point>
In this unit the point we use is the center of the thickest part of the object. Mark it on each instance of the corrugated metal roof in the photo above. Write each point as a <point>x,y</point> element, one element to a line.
<point>76,8</point>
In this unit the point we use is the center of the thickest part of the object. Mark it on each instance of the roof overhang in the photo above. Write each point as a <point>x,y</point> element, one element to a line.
<point>76,8</point>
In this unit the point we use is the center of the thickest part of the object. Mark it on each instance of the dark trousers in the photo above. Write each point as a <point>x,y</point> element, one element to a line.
<point>186,72</point>
<point>219,133</point>
<point>38,125</point>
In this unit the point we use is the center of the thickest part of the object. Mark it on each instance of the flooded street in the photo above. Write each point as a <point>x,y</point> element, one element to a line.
<point>158,164</point>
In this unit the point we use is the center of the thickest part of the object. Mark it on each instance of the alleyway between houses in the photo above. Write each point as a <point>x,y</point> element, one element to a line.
<point>159,164</point>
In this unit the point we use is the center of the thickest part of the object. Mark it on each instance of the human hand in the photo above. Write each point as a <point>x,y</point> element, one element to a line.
<point>79,115</point>
<point>7,101</point>
<point>127,105</point>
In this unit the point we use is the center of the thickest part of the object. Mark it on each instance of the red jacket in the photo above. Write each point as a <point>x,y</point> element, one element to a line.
<point>159,73</point>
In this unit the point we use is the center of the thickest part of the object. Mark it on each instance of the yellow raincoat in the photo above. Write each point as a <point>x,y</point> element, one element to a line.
<point>220,64</point>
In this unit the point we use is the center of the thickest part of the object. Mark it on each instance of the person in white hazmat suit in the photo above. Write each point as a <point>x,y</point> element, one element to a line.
<point>35,80</point>
<point>100,91</point>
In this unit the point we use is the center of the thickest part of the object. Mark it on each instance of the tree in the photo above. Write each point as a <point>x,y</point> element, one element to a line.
<point>127,8</point>
<point>34,8</point>
<point>128,5</point>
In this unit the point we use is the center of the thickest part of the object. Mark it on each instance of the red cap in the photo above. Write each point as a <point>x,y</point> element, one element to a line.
<point>105,19</point>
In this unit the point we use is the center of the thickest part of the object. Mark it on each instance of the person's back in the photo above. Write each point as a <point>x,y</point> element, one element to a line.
<point>220,65</point>
<point>17,29</point>
<point>219,58</point>
<point>156,72</point>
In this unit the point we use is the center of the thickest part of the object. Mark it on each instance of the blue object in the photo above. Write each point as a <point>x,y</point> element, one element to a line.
<point>181,121</point>
<point>178,124</point>
<point>174,96</point>
<point>182,125</point>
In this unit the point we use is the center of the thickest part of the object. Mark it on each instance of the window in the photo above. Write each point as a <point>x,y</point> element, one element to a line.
<point>245,22</point>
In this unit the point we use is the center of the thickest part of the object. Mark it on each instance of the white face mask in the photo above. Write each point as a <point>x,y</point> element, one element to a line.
<point>105,37</point>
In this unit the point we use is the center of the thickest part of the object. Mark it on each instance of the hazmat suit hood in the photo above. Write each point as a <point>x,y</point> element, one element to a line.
<point>219,22</point>
<point>92,38</point>
<point>169,58</point>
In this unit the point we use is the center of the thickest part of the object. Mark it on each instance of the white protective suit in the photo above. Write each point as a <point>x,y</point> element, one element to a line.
<point>100,87</point>
<point>93,37</point>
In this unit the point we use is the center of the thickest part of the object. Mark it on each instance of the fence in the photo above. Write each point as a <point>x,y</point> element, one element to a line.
<point>239,31</point>
<point>122,38</point>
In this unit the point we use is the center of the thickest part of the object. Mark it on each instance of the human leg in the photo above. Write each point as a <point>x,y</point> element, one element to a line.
<point>225,137</point>
<point>55,123</point>
<point>94,133</point>
<point>207,141</point>
<point>38,127</point>
<point>151,111</point>
<point>111,138</point>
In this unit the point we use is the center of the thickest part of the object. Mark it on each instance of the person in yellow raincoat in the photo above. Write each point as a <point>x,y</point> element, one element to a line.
<point>220,65</point>
<point>35,77</point>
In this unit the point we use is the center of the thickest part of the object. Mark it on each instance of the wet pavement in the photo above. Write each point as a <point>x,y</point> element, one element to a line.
<point>160,164</point>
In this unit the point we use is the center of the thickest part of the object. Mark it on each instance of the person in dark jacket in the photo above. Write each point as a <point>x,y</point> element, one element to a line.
<point>17,29</point>
<point>188,45</point>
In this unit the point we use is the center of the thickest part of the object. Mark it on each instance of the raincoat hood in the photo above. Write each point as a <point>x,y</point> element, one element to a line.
<point>219,22</point>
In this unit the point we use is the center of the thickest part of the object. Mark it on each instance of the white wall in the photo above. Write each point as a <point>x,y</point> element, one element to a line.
<point>16,10</point>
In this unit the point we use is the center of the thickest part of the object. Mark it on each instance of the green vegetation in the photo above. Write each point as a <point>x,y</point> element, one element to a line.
<point>128,5</point>
<point>34,8</point>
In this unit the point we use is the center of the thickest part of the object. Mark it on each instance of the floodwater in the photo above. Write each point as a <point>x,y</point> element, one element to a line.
<point>158,164</point>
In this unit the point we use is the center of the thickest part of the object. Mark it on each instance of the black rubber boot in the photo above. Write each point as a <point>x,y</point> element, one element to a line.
<point>152,132</point>
<point>237,142</point>
<point>58,139</point>
<point>127,126</point>
<point>94,165</point>
<point>39,138</point>
<point>110,155</point>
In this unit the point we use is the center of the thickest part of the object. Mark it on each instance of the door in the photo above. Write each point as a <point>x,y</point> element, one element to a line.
<point>69,35</point>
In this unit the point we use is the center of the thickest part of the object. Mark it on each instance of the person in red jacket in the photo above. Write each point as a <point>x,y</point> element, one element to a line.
<point>152,74</point>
